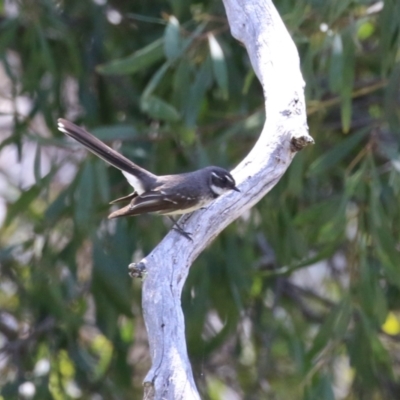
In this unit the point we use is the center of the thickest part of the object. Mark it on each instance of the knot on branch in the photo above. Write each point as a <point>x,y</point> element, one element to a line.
<point>297,143</point>
<point>137,270</point>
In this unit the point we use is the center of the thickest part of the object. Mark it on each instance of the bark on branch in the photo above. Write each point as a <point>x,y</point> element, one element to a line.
<point>275,60</point>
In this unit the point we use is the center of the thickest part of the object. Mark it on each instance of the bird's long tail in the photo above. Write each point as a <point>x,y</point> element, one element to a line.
<point>103,151</point>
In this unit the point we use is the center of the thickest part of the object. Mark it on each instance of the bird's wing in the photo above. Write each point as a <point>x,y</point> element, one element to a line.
<point>155,202</point>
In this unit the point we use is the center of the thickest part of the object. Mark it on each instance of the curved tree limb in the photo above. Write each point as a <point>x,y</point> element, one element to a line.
<point>275,60</point>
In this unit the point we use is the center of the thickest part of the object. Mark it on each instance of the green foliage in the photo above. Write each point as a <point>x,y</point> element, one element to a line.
<point>167,82</point>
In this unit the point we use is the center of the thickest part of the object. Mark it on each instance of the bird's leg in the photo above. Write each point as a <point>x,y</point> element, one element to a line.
<point>179,229</point>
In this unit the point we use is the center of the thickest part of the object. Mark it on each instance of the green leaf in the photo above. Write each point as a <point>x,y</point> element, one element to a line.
<point>46,55</point>
<point>23,204</point>
<point>392,112</point>
<point>155,80</point>
<point>388,254</point>
<point>334,327</point>
<point>372,295</point>
<point>365,30</point>
<point>348,72</point>
<point>6,253</point>
<point>57,208</point>
<point>159,109</point>
<point>322,211</point>
<point>37,163</point>
<point>321,389</point>
<point>337,8</point>
<point>8,31</point>
<point>389,34</point>
<point>338,153</point>
<point>336,64</point>
<point>139,60</point>
<point>102,181</point>
<point>197,92</point>
<point>146,18</point>
<point>364,341</point>
<point>172,39</point>
<point>181,83</point>
<point>218,65</point>
<point>84,196</point>
<point>248,80</point>
<point>111,277</point>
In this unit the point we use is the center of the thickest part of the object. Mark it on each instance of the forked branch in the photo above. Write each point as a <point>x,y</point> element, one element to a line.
<point>275,60</point>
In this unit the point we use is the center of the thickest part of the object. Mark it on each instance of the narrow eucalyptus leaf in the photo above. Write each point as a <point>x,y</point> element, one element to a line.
<point>172,39</point>
<point>181,83</point>
<point>37,163</point>
<point>338,153</point>
<point>57,208</point>
<point>197,92</point>
<point>112,278</point>
<point>159,109</point>
<point>102,180</point>
<point>155,80</point>
<point>84,196</point>
<point>138,61</point>
<point>348,73</point>
<point>392,112</point>
<point>27,197</point>
<point>336,64</point>
<point>220,69</point>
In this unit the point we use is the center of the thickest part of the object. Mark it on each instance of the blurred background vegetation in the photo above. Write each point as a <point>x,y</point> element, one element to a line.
<point>299,299</point>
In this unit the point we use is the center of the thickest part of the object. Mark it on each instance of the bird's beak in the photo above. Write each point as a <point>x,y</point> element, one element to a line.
<point>236,189</point>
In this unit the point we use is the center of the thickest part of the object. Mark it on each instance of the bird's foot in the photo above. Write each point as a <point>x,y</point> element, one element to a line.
<point>187,235</point>
<point>179,229</point>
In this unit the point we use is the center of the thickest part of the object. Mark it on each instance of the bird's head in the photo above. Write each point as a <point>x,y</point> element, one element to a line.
<point>221,181</point>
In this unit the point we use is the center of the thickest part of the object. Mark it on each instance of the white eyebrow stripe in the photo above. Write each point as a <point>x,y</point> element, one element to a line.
<point>229,178</point>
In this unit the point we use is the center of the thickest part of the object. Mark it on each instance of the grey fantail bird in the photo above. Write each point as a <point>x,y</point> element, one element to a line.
<point>165,194</point>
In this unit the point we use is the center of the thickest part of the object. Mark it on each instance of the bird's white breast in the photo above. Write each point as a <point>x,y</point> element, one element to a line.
<point>218,190</point>
<point>200,204</point>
